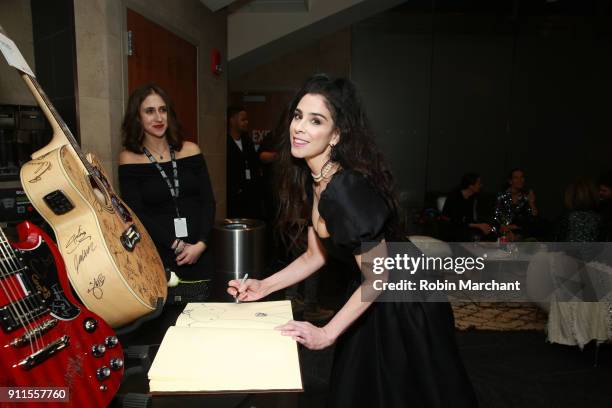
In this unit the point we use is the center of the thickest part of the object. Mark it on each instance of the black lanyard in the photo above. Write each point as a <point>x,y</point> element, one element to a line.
<point>174,191</point>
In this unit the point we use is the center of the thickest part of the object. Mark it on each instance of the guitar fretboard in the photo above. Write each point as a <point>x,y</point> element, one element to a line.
<point>58,119</point>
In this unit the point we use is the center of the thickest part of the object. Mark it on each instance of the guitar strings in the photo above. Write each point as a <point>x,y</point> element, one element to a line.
<point>10,256</point>
<point>18,267</point>
<point>91,170</point>
<point>7,252</point>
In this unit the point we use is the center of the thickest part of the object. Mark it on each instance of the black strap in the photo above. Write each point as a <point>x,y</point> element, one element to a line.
<point>174,191</point>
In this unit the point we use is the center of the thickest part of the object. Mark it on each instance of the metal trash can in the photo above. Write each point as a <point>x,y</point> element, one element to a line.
<point>239,248</point>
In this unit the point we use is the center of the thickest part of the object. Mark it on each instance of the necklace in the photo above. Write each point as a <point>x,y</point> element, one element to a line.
<point>324,171</point>
<point>161,156</point>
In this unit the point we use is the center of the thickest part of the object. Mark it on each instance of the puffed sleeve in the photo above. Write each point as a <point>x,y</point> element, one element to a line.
<point>354,211</point>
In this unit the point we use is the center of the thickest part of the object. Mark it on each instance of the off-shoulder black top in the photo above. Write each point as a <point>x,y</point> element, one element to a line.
<point>147,194</point>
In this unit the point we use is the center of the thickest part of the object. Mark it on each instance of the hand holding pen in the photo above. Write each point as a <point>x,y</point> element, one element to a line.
<point>246,290</point>
<point>244,278</point>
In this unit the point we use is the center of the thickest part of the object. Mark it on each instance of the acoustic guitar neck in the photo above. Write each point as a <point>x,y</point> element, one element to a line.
<point>61,132</point>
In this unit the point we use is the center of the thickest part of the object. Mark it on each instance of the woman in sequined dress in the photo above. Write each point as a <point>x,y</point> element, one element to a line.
<point>581,222</point>
<point>515,209</point>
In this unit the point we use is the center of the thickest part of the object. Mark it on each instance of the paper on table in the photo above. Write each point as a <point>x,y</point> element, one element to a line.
<point>13,55</point>
<point>218,347</point>
<point>252,315</point>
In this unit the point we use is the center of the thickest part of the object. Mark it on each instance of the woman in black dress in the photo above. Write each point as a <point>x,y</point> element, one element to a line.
<point>387,354</point>
<point>178,212</point>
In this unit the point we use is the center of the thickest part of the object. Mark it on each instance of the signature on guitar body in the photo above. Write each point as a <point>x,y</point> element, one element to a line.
<point>100,238</point>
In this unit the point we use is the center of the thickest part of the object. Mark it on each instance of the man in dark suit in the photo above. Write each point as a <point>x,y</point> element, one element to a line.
<point>243,169</point>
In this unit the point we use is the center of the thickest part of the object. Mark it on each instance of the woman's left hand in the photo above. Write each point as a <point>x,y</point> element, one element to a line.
<point>190,253</point>
<point>311,336</point>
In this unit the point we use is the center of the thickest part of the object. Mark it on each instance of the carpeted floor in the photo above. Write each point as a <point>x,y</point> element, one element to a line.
<point>498,316</point>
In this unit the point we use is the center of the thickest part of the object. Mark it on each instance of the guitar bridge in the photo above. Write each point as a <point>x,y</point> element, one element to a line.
<point>39,330</point>
<point>41,355</point>
<point>130,238</point>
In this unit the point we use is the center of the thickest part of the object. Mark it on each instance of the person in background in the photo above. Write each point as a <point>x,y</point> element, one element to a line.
<point>581,222</point>
<point>460,210</point>
<point>164,180</point>
<point>268,160</point>
<point>515,208</point>
<point>243,169</point>
<point>605,205</point>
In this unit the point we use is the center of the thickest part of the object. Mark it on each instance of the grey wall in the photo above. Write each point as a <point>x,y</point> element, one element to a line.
<point>331,54</point>
<point>476,92</point>
<point>54,48</point>
<point>16,21</point>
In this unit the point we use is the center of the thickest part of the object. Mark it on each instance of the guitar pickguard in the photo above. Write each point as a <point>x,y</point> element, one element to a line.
<point>43,278</point>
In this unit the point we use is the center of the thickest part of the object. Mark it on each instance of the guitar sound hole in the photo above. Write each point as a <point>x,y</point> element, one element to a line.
<point>98,191</point>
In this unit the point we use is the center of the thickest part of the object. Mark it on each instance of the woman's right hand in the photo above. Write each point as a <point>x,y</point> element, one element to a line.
<point>250,290</point>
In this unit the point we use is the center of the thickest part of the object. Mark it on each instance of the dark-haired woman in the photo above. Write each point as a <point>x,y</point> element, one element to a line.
<point>515,208</point>
<point>395,354</point>
<point>165,181</point>
<point>581,221</point>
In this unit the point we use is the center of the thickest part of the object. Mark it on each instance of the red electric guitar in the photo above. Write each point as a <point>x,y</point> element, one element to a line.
<point>48,339</point>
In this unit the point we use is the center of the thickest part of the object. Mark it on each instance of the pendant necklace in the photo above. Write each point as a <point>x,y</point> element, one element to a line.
<point>161,156</point>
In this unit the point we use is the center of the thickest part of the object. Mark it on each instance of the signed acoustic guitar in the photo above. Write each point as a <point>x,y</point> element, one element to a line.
<point>55,353</point>
<point>111,260</point>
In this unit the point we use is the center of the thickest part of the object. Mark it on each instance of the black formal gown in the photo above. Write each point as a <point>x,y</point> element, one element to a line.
<point>395,355</point>
<point>147,194</point>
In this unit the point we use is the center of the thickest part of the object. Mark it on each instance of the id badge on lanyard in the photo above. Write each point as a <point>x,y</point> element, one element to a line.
<point>180,223</point>
<point>180,227</point>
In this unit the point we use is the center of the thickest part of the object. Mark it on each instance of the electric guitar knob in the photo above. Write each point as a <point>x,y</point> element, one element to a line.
<point>103,373</point>
<point>98,350</point>
<point>116,364</point>
<point>111,341</point>
<point>90,325</point>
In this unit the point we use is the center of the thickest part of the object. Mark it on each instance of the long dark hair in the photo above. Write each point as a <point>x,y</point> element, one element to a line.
<point>355,150</point>
<point>131,128</point>
<point>581,194</point>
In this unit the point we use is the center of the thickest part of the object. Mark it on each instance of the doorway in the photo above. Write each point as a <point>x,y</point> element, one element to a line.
<point>162,57</point>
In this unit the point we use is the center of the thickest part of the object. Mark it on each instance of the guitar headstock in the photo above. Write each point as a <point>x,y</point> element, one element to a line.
<point>13,56</point>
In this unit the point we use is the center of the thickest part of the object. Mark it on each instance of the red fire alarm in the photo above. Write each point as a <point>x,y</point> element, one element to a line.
<point>215,62</point>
